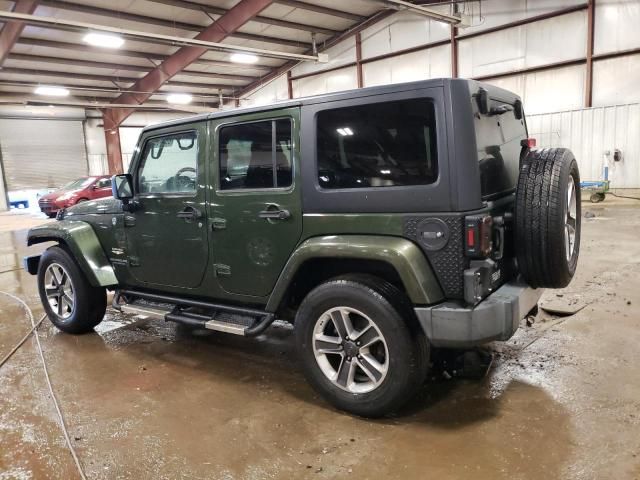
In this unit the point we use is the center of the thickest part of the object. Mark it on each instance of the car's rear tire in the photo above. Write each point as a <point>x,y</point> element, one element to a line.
<point>358,347</point>
<point>70,301</point>
<point>548,216</point>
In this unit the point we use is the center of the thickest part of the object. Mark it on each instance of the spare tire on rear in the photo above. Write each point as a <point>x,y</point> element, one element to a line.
<point>547,219</point>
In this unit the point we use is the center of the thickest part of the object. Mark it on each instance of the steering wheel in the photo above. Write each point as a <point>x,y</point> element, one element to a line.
<point>180,181</point>
<point>185,170</point>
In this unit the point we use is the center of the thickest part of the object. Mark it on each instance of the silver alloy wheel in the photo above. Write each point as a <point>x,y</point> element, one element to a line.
<point>570,221</point>
<point>350,350</point>
<point>59,290</point>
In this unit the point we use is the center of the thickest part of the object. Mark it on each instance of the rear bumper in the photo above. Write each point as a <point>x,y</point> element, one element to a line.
<point>497,317</point>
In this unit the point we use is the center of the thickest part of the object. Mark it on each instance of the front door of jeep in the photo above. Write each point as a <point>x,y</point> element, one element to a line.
<point>256,216</point>
<point>166,231</point>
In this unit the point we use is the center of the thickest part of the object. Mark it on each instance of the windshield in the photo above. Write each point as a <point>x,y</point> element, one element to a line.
<point>79,183</point>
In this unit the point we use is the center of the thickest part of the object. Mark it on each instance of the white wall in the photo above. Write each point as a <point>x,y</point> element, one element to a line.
<point>613,123</point>
<point>544,42</point>
<point>592,132</point>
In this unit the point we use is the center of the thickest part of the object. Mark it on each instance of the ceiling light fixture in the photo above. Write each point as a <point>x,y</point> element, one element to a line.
<point>51,91</point>
<point>179,98</point>
<point>243,58</point>
<point>104,40</point>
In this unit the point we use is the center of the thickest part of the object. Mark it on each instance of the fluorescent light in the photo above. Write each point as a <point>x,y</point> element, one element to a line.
<point>243,58</point>
<point>51,91</point>
<point>104,40</point>
<point>179,98</point>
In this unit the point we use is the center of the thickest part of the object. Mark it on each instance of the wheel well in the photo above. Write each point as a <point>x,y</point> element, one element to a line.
<point>59,241</point>
<point>318,270</point>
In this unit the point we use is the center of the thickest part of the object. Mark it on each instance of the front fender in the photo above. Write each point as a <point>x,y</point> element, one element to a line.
<point>83,243</point>
<point>404,256</point>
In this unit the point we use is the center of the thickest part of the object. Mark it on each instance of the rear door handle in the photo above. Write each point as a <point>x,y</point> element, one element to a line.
<point>190,213</point>
<point>275,214</point>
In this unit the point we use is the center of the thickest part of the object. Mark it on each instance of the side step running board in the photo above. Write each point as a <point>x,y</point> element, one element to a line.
<point>228,320</point>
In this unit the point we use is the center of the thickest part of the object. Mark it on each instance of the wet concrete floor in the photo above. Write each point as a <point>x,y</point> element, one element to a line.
<point>562,399</point>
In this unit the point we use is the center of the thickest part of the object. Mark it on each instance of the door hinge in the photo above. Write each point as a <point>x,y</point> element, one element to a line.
<point>218,223</point>
<point>222,270</point>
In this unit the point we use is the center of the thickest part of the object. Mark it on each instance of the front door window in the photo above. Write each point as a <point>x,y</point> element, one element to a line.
<point>169,164</point>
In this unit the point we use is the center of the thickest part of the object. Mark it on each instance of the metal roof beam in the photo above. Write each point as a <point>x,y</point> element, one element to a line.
<point>118,66</point>
<point>421,10</point>
<point>276,72</point>
<point>98,103</point>
<point>200,7</point>
<point>88,89</point>
<point>160,22</point>
<point>197,42</point>
<point>235,18</point>
<point>109,78</point>
<point>12,30</point>
<point>320,9</point>
<point>37,42</point>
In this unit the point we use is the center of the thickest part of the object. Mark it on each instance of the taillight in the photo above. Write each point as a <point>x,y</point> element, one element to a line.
<point>528,142</point>
<point>478,235</point>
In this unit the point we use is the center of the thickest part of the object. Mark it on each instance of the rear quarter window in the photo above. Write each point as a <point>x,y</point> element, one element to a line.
<point>384,144</point>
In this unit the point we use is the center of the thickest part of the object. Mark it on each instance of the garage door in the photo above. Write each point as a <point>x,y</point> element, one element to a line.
<point>42,153</point>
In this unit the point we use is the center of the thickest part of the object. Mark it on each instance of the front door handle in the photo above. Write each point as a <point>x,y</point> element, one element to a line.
<point>275,214</point>
<point>190,213</point>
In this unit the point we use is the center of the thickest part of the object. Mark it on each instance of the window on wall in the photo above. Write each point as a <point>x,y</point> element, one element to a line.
<point>169,164</point>
<point>256,155</point>
<point>377,145</point>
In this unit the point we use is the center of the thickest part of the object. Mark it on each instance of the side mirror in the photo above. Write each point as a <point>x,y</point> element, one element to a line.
<point>122,187</point>
<point>484,102</point>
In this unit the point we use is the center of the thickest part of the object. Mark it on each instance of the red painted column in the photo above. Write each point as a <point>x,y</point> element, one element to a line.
<point>114,151</point>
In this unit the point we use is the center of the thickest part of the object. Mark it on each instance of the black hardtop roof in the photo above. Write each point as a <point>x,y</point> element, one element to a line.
<point>330,97</point>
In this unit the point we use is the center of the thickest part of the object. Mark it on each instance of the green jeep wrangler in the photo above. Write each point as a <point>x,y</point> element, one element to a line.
<point>381,222</point>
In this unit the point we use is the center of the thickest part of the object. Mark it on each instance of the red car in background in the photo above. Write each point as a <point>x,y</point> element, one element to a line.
<point>80,190</point>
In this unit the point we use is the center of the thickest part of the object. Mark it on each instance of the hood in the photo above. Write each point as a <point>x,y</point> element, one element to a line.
<point>107,205</point>
<point>53,195</point>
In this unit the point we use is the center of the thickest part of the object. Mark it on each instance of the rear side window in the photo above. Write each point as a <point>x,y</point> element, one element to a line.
<point>377,145</point>
<point>256,155</point>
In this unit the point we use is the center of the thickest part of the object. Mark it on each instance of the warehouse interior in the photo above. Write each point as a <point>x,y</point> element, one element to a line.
<point>560,399</point>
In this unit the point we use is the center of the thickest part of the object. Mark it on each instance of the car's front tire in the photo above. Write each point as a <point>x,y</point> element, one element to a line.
<point>70,301</point>
<point>357,348</point>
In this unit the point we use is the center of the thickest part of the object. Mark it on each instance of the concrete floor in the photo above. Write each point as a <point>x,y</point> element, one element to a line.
<point>562,399</point>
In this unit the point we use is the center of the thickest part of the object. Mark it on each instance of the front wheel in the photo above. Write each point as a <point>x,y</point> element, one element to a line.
<point>71,303</point>
<point>356,347</point>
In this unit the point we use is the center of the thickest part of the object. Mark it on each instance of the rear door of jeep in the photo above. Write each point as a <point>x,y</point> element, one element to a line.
<point>255,212</point>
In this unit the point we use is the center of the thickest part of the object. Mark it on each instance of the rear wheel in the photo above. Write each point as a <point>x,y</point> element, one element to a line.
<point>356,347</point>
<point>71,303</point>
